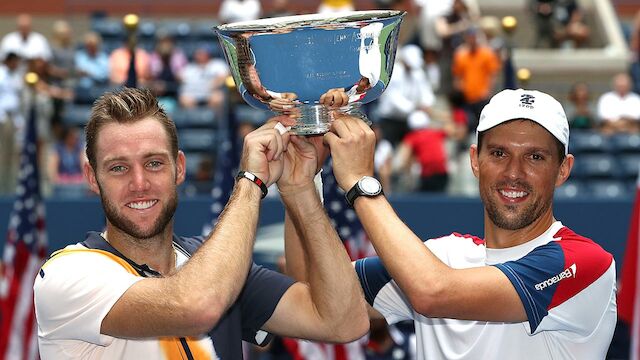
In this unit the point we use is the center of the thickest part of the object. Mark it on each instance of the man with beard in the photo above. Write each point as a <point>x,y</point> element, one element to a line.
<point>532,288</point>
<point>130,293</point>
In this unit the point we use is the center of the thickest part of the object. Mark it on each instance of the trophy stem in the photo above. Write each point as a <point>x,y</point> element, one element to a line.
<point>316,119</point>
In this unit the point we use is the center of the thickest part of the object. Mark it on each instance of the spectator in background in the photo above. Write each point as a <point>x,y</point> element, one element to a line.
<point>61,65</point>
<point>66,160</point>
<point>279,8</point>
<point>92,63</point>
<point>425,144</point>
<point>203,81</point>
<point>119,61</point>
<point>11,85</point>
<point>239,10</point>
<point>408,91</point>
<point>167,62</point>
<point>619,109</point>
<point>451,29</point>
<point>475,67</point>
<point>334,6</point>
<point>571,31</point>
<point>580,109</point>
<point>542,11</point>
<point>25,42</point>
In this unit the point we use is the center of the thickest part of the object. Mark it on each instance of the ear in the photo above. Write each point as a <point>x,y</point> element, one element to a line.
<point>565,169</point>
<point>473,156</point>
<point>181,168</point>
<point>90,176</point>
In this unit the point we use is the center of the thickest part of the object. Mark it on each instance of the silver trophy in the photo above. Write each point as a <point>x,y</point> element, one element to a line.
<point>287,64</point>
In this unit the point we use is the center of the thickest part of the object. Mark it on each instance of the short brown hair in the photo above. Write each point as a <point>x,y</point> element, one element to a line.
<point>124,106</point>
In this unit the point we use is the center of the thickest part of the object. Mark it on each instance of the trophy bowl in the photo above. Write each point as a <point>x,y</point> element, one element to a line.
<point>286,64</point>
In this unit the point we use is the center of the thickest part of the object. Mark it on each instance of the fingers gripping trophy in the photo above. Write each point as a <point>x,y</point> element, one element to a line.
<point>313,68</point>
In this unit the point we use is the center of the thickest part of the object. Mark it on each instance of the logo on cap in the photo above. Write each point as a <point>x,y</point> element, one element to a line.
<point>527,101</point>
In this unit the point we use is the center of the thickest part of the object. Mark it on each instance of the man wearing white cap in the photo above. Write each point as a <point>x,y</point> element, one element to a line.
<point>531,288</point>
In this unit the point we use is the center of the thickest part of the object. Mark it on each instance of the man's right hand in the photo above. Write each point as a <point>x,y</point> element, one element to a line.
<point>262,152</point>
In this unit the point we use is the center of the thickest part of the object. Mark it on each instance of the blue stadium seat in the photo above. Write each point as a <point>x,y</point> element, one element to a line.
<point>572,189</point>
<point>197,140</point>
<point>196,117</point>
<point>629,166</point>
<point>204,29</point>
<point>587,141</point>
<point>595,166</point>
<point>76,114</point>
<point>109,28</point>
<point>626,143</point>
<point>193,160</point>
<point>608,189</point>
<point>175,29</point>
<point>147,29</point>
<point>246,113</point>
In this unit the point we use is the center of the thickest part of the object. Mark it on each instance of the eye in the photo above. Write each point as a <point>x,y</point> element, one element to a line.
<point>497,153</point>
<point>537,157</point>
<point>154,164</point>
<point>118,169</point>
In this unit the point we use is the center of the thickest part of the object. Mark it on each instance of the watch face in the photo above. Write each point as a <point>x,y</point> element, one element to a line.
<point>370,186</point>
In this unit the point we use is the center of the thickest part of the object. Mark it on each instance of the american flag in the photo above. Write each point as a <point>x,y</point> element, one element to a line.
<point>344,218</point>
<point>226,167</point>
<point>24,253</point>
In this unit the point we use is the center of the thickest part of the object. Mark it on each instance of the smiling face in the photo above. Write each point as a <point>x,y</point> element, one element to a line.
<point>136,176</point>
<point>518,167</point>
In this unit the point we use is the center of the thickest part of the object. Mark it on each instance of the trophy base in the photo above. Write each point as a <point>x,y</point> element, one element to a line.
<point>316,119</point>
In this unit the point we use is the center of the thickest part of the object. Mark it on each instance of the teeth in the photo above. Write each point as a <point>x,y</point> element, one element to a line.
<point>141,205</point>
<point>513,194</point>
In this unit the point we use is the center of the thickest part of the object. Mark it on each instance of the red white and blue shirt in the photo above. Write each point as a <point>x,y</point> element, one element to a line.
<point>566,283</point>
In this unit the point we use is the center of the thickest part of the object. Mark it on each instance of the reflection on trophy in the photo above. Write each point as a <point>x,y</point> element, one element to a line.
<point>313,68</point>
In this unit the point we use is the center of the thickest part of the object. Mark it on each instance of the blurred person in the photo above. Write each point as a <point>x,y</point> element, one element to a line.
<point>65,162</point>
<point>11,119</point>
<point>408,90</point>
<point>451,28</point>
<point>92,63</point>
<point>475,67</point>
<point>119,61</point>
<point>581,111</point>
<point>25,42</point>
<point>425,145</point>
<point>167,62</point>
<point>491,30</point>
<point>279,8</point>
<point>203,81</point>
<point>239,10</point>
<point>571,31</point>
<point>543,12</point>
<point>62,69</point>
<point>144,292</point>
<point>531,287</point>
<point>619,109</point>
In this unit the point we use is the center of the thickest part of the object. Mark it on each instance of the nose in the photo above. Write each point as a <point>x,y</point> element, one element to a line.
<point>514,169</point>
<point>138,181</point>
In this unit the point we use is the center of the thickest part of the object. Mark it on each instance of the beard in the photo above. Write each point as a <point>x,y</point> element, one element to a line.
<point>520,217</point>
<point>131,228</point>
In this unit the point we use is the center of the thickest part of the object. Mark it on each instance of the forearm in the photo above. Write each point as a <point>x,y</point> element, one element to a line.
<point>418,272</point>
<point>216,273</point>
<point>294,254</point>
<point>334,287</point>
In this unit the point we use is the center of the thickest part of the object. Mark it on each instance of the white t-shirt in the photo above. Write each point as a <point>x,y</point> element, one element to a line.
<point>104,278</point>
<point>566,283</point>
<point>35,46</point>
<point>612,107</point>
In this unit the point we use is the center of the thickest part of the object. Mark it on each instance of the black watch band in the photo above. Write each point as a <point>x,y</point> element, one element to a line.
<point>367,186</point>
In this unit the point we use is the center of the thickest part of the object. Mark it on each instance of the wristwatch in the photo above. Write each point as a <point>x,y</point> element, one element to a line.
<point>367,186</point>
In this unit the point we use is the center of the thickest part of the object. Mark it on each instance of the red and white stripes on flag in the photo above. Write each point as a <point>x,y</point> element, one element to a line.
<point>24,253</point>
<point>629,293</point>
<point>307,350</point>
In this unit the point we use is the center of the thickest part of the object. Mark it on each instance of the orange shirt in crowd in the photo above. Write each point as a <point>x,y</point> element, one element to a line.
<point>119,65</point>
<point>476,71</point>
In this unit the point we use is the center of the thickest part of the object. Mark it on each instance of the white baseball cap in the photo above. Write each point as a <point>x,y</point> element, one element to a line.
<point>526,104</point>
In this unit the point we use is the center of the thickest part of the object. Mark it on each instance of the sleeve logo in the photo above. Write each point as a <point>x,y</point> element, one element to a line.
<point>567,273</point>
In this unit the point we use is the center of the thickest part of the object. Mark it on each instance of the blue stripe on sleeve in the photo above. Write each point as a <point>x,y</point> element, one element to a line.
<point>543,263</point>
<point>373,277</point>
